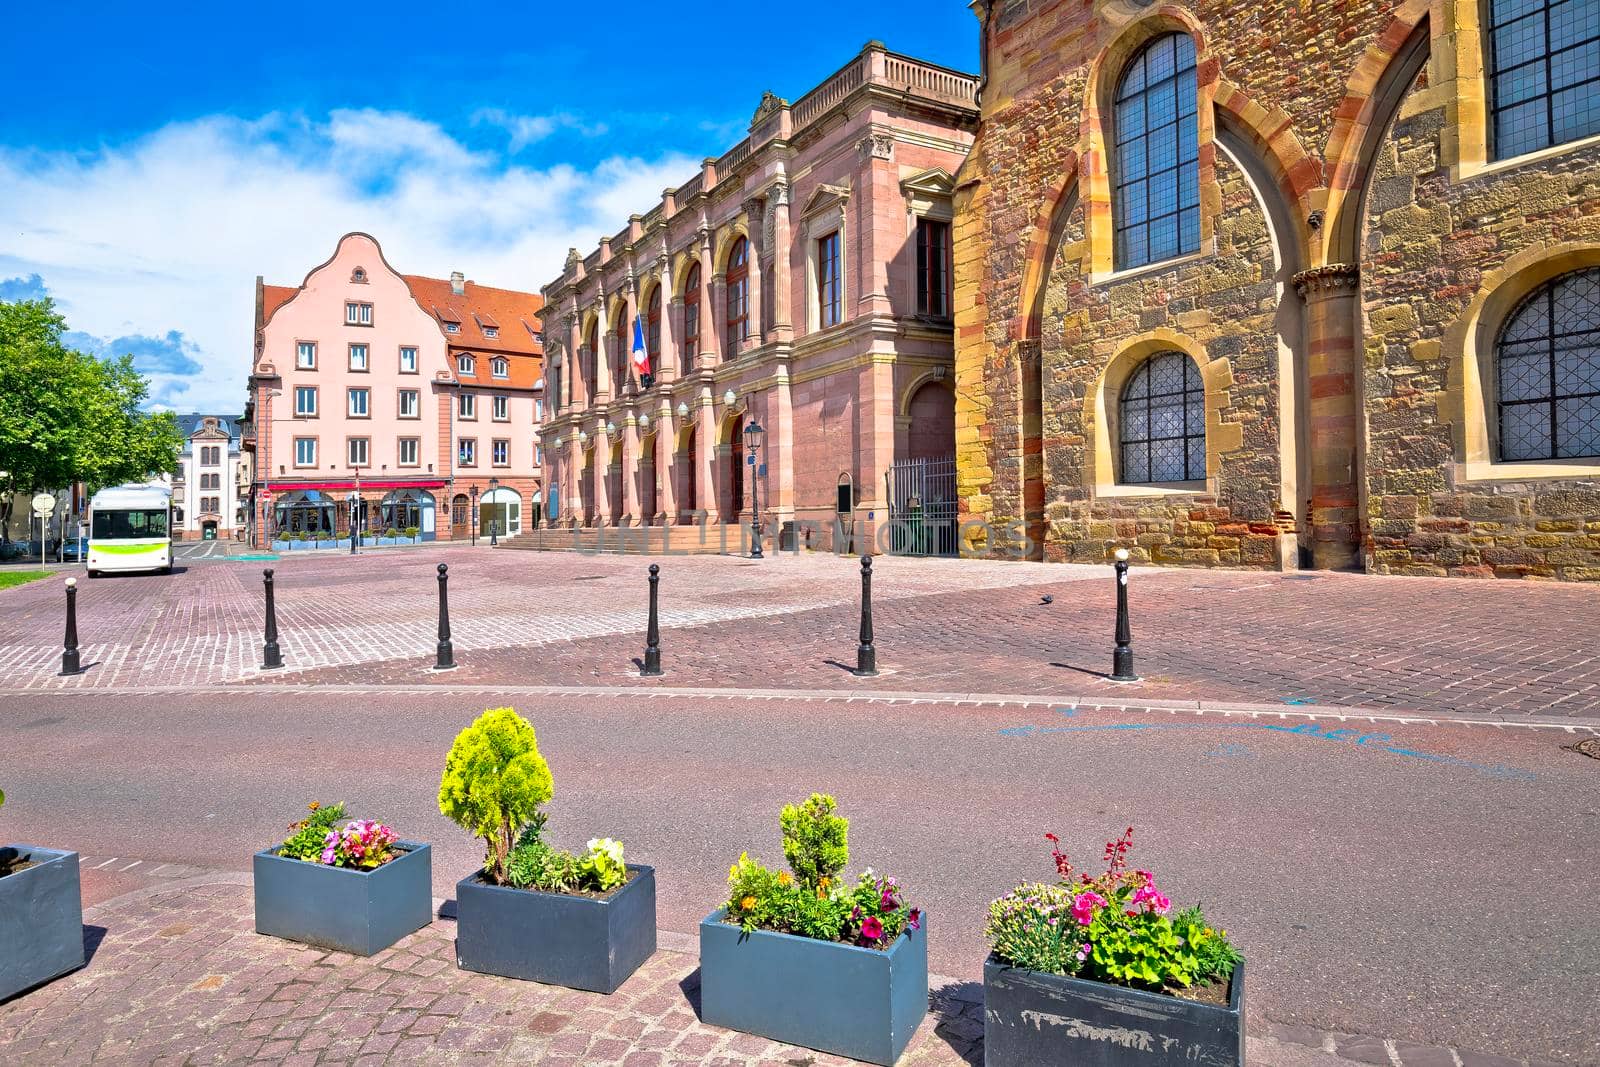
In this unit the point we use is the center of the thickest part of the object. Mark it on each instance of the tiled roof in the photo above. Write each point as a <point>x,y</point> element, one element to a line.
<point>190,422</point>
<point>481,306</point>
<point>274,297</point>
<point>523,371</point>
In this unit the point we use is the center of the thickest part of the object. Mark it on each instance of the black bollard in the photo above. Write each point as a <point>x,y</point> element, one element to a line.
<point>652,633</point>
<point>271,658</point>
<point>866,655</point>
<point>1122,658</point>
<point>69,649</point>
<point>446,656</point>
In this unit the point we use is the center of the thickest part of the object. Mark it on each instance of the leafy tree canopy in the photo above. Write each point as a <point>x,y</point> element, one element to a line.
<point>66,416</point>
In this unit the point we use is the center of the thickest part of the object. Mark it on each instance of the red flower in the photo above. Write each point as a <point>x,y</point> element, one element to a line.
<point>871,928</point>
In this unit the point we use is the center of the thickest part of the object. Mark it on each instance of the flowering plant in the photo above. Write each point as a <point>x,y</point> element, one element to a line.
<point>1116,927</point>
<point>815,900</point>
<point>362,844</point>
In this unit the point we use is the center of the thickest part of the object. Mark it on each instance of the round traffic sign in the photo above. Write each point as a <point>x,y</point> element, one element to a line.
<point>44,504</point>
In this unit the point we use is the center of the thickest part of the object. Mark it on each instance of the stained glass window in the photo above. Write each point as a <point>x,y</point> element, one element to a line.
<point>1548,364</point>
<point>1162,422</point>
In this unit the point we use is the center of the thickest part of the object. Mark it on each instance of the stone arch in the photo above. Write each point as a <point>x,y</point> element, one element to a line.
<point>1100,410</point>
<point>678,276</point>
<point>725,241</point>
<point>1265,141</point>
<point>928,407</point>
<point>1468,350</point>
<point>1372,98</point>
<point>1286,225</point>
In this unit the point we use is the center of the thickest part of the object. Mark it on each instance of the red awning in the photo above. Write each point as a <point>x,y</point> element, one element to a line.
<point>349,484</point>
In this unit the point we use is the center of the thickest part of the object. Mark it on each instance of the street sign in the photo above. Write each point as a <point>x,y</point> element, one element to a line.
<point>44,504</point>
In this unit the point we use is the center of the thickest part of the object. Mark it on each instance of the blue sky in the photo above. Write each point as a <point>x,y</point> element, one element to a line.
<point>170,153</point>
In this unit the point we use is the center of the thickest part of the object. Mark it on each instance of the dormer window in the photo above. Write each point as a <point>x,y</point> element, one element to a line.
<point>466,365</point>
<point>357,314</point>
<point>491,331</point>
<point>452,327</point>
<point>500,368</point>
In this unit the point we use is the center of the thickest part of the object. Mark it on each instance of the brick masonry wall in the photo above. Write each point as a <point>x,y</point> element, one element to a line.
<point>1430,243</point>
<point>1299,82</point>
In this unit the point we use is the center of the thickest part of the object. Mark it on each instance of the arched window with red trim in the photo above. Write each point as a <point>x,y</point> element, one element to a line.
<point>738,296</point>
<point>691,318</point>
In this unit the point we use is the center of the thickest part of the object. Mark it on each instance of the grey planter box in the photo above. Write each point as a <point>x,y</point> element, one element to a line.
<point>851,1001</point>
<point>41,920</point>
<point>1038,1019</point>
<point>361,912</point>
<point>579,942</point>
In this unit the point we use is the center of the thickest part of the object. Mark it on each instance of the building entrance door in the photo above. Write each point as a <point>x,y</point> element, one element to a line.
<point>460,518</point>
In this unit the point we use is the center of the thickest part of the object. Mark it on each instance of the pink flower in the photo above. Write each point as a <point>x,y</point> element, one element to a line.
<point>915,920</point>
<point>1148,896</point>
<point>1083,906</point>
<point>871,928</point>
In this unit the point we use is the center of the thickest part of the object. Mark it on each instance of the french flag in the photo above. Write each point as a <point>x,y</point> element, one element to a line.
<point>641,357</point>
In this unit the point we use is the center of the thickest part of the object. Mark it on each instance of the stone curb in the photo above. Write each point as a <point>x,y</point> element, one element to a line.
<point>1099,702</point>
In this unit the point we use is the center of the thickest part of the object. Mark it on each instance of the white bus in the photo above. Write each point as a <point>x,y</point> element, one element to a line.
<point>130,529</point>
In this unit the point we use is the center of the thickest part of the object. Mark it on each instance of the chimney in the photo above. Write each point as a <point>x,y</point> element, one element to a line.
<point>458,283</point>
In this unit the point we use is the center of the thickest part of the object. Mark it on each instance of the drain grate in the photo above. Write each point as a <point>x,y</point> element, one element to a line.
<point>1589,746</point>
<point>591,577</point>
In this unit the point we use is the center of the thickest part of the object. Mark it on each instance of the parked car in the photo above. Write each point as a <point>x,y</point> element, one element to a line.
<point>75,550</point>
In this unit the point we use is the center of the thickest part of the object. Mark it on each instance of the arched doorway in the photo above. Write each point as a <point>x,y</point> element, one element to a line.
<point>647,480</point>
<point>500,511</point>
<point>614,483</point>
<point>932,434</point>
<point>587,480</point>
<point>460,517</point>
<point>735,502</point>
<point>688,474</point>
<point>208,530</point>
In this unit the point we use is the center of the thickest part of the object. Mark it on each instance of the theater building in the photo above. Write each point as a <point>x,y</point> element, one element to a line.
<point>1285,284</point>
<point>801,282</point>
<point>406,401</point>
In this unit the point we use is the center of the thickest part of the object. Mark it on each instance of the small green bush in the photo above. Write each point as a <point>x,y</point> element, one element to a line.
<point>494,781</point>
<point>815,840</point>
<point>311,833</point>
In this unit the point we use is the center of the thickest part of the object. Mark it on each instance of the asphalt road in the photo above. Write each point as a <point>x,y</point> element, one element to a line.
<point>1430,883</point>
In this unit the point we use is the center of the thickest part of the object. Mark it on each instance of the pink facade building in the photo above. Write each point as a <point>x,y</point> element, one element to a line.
<point>801,281</point>
<point>408,401</point>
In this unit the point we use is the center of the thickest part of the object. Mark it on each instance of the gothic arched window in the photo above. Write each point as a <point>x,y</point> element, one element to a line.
<point>1161,422</point>
<point>1156,155</point>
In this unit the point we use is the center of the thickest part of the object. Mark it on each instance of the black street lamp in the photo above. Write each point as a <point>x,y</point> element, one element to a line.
<point>494,523</point>
<point>355,513</point>
<point>752,443</point>
<point>474,519</point>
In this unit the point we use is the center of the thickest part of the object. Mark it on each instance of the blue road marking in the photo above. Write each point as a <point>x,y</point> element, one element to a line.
<point>1343,735</point>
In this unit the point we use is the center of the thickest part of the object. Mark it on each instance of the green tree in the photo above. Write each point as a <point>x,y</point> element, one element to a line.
<point>66,416</point>
<point>494,781</point>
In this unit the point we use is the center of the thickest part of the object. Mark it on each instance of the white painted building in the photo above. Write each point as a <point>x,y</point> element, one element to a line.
<point>206,501</point>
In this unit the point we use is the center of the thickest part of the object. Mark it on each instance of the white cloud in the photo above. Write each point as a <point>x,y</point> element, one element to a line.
<point>168,232</point>
<point>528,130</point>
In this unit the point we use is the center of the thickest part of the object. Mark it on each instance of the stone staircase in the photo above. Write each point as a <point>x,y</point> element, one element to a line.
<point>719,540</point>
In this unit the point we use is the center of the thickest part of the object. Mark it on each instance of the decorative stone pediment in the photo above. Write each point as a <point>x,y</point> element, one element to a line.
<point>929,193</point>
<point>770,103</point>
<point>826,197</point>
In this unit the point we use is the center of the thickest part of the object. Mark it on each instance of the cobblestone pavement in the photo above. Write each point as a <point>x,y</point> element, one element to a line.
<point>1431,646</point>
<point>177,976</point>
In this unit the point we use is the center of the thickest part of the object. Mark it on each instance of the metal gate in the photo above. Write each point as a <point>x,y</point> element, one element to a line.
<point>922,507</point>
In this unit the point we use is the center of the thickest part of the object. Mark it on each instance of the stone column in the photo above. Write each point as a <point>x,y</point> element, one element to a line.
<point>577,389</point>
<point>666,463</point>
<point>602,475</point>
<point>758,243</point>
<point>1333,353</point>
<point>778,487</point>
<point>602,361</point>
<point>632,471</point>
<point>665,366</point>
<point>705,485</point>
<point>625,341</point>
<point>782,327</point>
<point>710,315</point>
<point>572,498</point>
